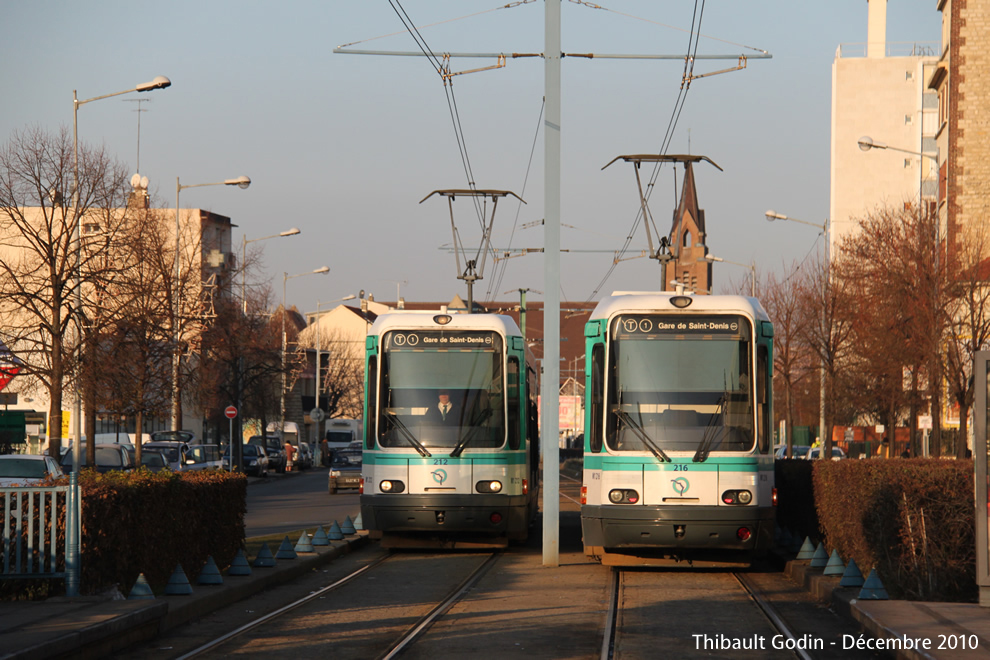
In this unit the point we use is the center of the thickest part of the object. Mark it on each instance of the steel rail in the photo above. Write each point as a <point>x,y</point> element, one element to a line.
<point>771,614</point>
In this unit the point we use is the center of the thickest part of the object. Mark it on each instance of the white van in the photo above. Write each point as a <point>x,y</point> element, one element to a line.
<point>290,433</point>
<point>342,432</point>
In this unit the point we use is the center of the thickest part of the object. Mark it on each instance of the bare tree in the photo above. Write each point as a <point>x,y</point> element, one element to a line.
<point>793,359</point>
<point>39,259</point>
<point>342,375</point>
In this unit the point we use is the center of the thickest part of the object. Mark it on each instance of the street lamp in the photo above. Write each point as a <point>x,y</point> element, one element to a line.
<point>319,376</point>
<point>72,561</point>
<point>710,258</point>
<point>244,244</point>
<point>285,278</point>
<point>771,216</point>
<point>241,182</point>
<point>866,143</point>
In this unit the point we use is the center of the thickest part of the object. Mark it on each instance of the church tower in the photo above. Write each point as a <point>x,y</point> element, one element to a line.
<point>687,242</point>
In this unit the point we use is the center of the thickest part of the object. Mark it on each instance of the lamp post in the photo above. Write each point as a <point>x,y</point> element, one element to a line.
<point>241,182</point>
<point>319,377</point>
<point>244,244</point>
<point>72,531</point>
<point>285,278</point>
<point>710,258</point>
<point>772,215</point>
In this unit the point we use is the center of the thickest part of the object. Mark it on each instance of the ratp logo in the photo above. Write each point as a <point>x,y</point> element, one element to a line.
<point>680,485</point>
<point>439,476</point>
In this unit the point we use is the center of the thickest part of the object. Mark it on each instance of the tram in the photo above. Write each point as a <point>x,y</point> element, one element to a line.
<point>451,446</point>
<point>678,460</point>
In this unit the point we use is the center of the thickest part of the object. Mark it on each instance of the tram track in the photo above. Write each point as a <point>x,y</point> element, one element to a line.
<point>263,625</point>
<point>611,648</point>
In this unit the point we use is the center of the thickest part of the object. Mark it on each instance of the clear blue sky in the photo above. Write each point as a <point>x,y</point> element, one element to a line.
<point>345,146</point>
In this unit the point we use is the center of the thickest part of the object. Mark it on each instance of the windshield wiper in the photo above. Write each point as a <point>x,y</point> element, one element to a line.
<point>642,435</point>
<point>475,425</point>
<point>711,430</point>
<point>417,445</point>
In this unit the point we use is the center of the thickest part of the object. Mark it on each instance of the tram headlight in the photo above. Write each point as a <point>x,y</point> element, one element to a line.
<point>488,486</point>
<point>623,496</point>
<point>742,497</point>
<point>391,486</point>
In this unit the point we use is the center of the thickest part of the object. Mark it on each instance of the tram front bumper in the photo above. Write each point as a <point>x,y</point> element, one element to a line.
<point>677,528</point>
<point>487,514</point>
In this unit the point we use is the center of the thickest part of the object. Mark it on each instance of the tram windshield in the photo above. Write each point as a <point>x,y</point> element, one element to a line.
<point>442,389</point>
<point>679,383</point>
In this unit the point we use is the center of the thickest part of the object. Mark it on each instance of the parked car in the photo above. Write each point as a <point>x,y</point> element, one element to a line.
<point>797,451</point>
<point>186,437</point>
<point>345,469</point>
<point>275,449</point>
<point>304,456</point>
<point>108,457</point>
<point>174,450</point>
<point>155,461</point>
<point>202,457</point>
<point>27,469</point>
<point>837,454</point>
<point>255,460</point>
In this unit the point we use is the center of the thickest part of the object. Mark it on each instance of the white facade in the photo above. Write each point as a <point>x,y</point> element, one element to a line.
<point>880,90</point>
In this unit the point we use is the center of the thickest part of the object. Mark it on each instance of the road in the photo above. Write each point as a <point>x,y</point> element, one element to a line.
<point>290,502</point>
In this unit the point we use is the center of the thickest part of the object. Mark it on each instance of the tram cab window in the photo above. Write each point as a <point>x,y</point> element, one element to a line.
<point>678,389</point>
<point>597,397</point>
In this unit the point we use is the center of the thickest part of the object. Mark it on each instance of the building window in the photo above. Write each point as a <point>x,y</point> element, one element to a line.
<point>687,239</point>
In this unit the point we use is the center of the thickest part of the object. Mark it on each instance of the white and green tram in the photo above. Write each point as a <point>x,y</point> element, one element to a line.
<point>464,477</point>
<point>678,454</point>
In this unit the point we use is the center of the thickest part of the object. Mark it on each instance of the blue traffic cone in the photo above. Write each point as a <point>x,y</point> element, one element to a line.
<point>807,550</point>
<point>820,558</point>
<point>239,566</point>
<point>873,588</point>
<point>320,537</point>
<point>304,544</point>
<point>210,573</point>
<point>141,590</point>
<point>335,534</point>
<point>285,550</point>
<point>348,526</point>
<point>178,584</point>
<point>834,565</point>
<point>851,577</point>
<point>264,558</point>
<point>359,523</point>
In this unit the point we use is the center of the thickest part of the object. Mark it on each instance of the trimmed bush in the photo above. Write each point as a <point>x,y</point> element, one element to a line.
<point>912,520</point>
<point>144,522</point>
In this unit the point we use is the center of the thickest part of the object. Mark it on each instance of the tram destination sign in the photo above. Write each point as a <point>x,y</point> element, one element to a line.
<point>418,340</point>
<point>645,325</point>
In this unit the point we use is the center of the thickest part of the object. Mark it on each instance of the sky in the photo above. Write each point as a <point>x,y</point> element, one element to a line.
<point>344,146</point>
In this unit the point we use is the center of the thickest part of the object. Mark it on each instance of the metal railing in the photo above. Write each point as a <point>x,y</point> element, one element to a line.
<point>34,532</point>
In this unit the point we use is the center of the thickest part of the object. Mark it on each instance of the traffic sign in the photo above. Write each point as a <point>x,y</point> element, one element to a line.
<point>230,412</point>
<point>317,415</point>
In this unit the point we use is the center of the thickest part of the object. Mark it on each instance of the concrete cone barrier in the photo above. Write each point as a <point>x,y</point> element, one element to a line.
<point>178,584</point>
<point>239,566</point>
<point>348,526</point>
<point>785,542</point>
<point>141,590</point>
<point>795,542</point>
<point>335,534</point>
<point>851,577</point>
<point>873,588</point>
<point>807,550</point>
<point>285,550</point>
<point>265,559</point>
<point>210,573</point>
<point>820,558</point>
<point>320,537</point>
<point>834,565</point>
<point>304,544</point>
<point>359,523</point>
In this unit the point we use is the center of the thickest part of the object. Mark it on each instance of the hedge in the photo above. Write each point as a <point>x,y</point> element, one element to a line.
<point>911,519</point>
<point>143,522</point>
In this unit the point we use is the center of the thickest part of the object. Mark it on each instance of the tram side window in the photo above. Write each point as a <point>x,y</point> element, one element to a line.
<point>597,396</point>
<point>512,379</point>
<point>369,422</point>
<point>762,399</point>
